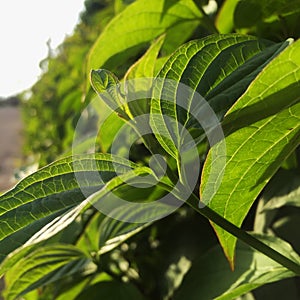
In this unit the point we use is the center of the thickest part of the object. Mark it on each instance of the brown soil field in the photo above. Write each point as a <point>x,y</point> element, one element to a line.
<point>10,144</point>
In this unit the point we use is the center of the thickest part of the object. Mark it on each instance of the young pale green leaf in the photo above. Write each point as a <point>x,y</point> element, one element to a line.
<point>139,24</point>
<point>261,129</point>
<point>120,5</point>
<point>224,20</point>
<point>211,278</point>
<point>219,68</point>
<point>107,86</point>
<point>110,90</point>
<point>143,69</point>
<point>145,66</point>
<point>53,195</point>
<point>43,266</point>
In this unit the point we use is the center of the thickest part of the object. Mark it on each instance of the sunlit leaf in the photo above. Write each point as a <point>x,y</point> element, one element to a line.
<point>137,25</point>
<point>219,68</point>
<point>145,66</point>
<point>224,20</point>
<point>261,129</point>
<point>53,196</point>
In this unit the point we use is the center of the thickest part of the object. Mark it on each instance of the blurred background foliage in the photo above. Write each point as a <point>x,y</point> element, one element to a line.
<point>53,105</point>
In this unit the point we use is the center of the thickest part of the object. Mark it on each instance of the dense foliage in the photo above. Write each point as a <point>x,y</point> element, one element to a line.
<point>210,90</point>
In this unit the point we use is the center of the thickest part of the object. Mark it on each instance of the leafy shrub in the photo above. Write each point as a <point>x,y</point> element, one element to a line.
<point>201,140</point>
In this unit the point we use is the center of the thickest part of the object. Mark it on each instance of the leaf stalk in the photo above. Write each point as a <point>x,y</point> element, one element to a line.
<point>247,238</point>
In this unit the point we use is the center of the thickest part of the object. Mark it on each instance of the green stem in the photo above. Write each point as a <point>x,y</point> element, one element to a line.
<point>208,213</point>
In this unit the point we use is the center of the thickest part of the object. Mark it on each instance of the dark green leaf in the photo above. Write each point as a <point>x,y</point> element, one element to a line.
<point>45,265</point>
<point>211,278</point>
<point>112,290</point>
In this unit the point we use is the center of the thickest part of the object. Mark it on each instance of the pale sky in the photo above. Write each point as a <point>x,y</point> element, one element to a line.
<point>25,28</point>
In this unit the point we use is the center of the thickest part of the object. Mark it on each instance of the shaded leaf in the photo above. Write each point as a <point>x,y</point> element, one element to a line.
<point>276,19</point>
<point>43,266</point>
<point>211,278</point>
<point>283,192</point>
<point>72,289</point>
<point>114,232</point>
<point>112,290</point>
<point>249,13</point>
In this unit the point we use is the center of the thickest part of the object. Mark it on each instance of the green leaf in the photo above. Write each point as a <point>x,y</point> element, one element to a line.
<point>126,218</point>
<point>219,68</point>
<point>120,5</point>
<point>283,190</point>
<point>251,12</point>
<point>139,79</point>
<point>71,290</point>
<point>145,66</point>
<point>53,196</point>
<point>112,290</point>
<point>261,129</point>
<point>43,266</point>
<point>138,83</point>
<point>94,131</point>
<point>107,86</point>
<point>224,20</point>
<point>211,278</point>
<point>106,201</point>
<point>114,232</point>
<point>275,19</point>
<point>109,89</point>
<point>174,276</point>
<point>136,26</point>
<point>107,132</point>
